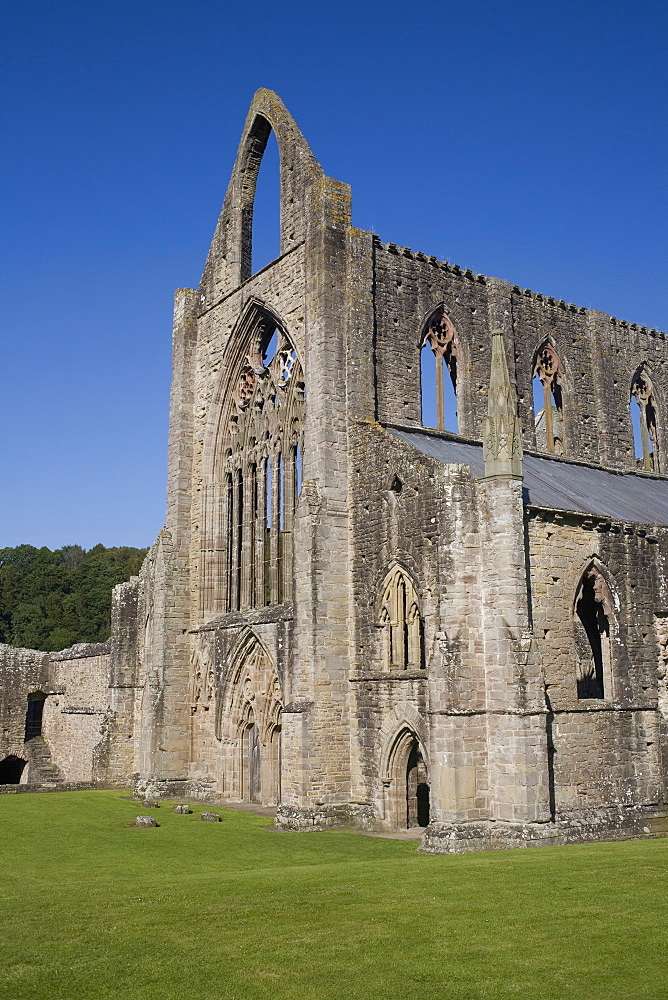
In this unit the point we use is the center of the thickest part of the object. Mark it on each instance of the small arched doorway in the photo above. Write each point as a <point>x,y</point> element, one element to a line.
<point>11,769</point>
<point>251,762</point>
<point>407,784</point>
<point>417,788</point>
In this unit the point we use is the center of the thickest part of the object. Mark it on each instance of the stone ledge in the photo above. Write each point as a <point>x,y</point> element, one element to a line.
<point>607,824</point>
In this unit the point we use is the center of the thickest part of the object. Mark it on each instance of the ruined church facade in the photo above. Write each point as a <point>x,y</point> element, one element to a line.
<point>365,620</point>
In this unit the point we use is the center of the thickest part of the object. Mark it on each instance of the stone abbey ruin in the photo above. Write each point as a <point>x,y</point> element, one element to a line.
<point>361,619</point>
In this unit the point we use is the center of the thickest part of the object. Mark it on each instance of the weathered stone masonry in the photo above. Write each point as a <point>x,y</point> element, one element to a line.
<point>363,620</point>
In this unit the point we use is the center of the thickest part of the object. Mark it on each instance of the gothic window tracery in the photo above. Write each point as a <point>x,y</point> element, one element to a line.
<point>547,376</point>
<point>401,622</point>
<point>644,421</point>
<point>439,357</point>
<point>262,462</point>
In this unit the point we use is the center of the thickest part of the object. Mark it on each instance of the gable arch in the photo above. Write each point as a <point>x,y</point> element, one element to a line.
<point>299,169</point>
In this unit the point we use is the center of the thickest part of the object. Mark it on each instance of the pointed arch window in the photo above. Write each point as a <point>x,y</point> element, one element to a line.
<point>593,618</point>
<point>644,421</point>
<point>548,397</point>
<point>401,622</point>
<point>266,238</point>
<point>261,437</point>
<point>438,365</point>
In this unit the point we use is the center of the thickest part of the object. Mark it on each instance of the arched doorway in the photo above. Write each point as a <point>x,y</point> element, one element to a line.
<point>252,763</point>
<point>417,788</point>
<point>407,783</point>
<point>11,769</point>
<point>249,725</point>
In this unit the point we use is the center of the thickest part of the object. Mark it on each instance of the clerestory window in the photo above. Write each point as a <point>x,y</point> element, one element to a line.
<point>438,366</point>
<point>644,422</point>
<point>548,397</point>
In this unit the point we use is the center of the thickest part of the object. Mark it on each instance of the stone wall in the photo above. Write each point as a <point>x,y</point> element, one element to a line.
<point>600,354</point>
<point>74,686</point>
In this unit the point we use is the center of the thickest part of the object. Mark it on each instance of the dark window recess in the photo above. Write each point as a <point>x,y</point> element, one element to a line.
<point>34,714</point>
<point>591,638</point>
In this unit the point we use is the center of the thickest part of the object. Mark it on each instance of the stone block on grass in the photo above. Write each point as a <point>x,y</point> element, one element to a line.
<point>209,817</point>
<point>145,821</point>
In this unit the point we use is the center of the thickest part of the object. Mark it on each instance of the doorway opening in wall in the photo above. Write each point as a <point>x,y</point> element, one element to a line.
<point>406,783</point>
<point>34,713</point>
<point>417,789</point>
<point>11,769</point>
<point>251,764</point>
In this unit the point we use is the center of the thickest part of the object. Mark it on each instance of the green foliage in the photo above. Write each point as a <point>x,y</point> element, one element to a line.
<point>50,600</point>
<point>100,910</point>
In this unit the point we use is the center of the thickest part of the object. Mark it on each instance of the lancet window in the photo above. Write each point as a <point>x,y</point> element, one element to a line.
<point>439,356</point>
<point>263,470</point>
<point>400,622</point>
<point>548,398</point>
<point>644,421</point>
<point>593,614</point>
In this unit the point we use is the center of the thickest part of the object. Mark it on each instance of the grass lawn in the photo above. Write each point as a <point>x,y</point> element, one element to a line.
<point>93,908</point>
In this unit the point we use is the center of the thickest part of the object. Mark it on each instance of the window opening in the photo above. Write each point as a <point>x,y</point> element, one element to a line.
<point>269,352</point>
<point>548,401</point>
<point>280,501</point>
<point>644,421</point>
<point>230,539</point>
<point>401,623</point>
<point>266,242</point>
<point>34,713</point>
<point>298,470</point>
<point>438,367</point>
<point>265,408</point>
<point>267,531</point>
<point>240,534</point>
<point>592,637</point>
<point>252,555</point>
<point>281,492</point>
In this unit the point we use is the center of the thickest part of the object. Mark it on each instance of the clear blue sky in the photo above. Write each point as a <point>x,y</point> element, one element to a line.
<point>526,140</point>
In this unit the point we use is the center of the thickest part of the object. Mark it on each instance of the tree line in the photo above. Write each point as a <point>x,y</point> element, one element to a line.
<point>50,600</point>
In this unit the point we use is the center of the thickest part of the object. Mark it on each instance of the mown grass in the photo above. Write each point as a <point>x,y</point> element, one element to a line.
<point>93,908</point>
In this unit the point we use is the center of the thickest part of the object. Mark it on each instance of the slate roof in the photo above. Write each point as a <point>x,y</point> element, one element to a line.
<point>561,485</point>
